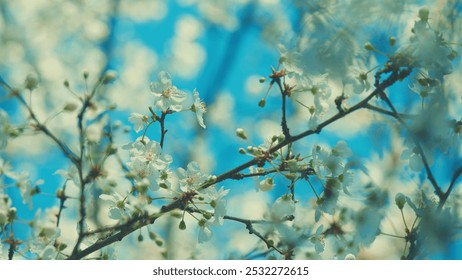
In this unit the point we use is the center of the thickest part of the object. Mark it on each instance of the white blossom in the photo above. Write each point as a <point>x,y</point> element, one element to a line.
<point>267,184</point>
<point>205,233</point>
<point>199,108</point>
<point>192,177</point>
<point>138,120</point>
<point>283,206</point>
<point>167,96</point>
<point>119,209</point>
<point>4,128</point>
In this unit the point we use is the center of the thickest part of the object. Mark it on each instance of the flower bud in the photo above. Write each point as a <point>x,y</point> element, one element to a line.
<point>350,257</point>
<point>453,55</point>
<point>152,235</point>
<point>111,149</point>
<point>109,76</point>
<point>241,133</point>
<point>242,151</point>
<point>11,214</point>
<point>182,225</point>
<point>400,200</point>
<point>70,107</point>
<point>392,41</point>
<point>423,14</point>
<point>262,80</point>
<point>368,46</point>
<point>262,103</point>
<point>60,194</point>
<point>31,82</point>
<point>207,216</point>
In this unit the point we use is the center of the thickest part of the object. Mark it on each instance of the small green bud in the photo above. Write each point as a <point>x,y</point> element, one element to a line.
<point>182,225</point>
<point>66,83</point>
<point>70,107</point>
<point>207,216</point>
<point>120,204</point>
<point>152,235</point>
<point>368,46</point>
<point>159,242</point>
<point>31,82</point>
<point>111,149</point>
<point>281,138</point>
<point>423,14</point>
<point>242,151</point>
<point>262,80</point>
<point>202,222</point>
<point>60,194</point>
<point>262,103</point>
<point>109,76</point>
<point>140,238</point>
<point>61,246</point>
<point>400,200</point>
<point>453,55</point>
<point>11,214</point>
<point>392,41</point>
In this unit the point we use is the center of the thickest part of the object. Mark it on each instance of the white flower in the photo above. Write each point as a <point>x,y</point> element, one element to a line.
<point>72,174</point>
<point>26,188</point>
<point>341,149</point>
<point>428,50</point>
<point>415,161</point>
<point>4,208</point>
<point>267,184</point>
<point>5,168</point>
<point>318,86</point>
<point>330,163</point>
<point>368,223</point>
<point>359,80</point>
<point>167,96</point>
<point>199,108</point>
<point>4,128</point>
<point>46,235</point>
<point>329,199</point>
<point>138,120</point>
<point>281,208</point>
<point>149,151</point>
<point>149,164</point>
<point>290,60</point>
<point>145,170</point>
<point>192,177</point>
<point>318,240</point>
<point>119,209</point>
<point>205,233</point>
<point>217,203</point>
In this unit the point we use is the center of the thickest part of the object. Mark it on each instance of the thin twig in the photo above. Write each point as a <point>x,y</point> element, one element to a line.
<point>455,177</point>
<point>416,141</point>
